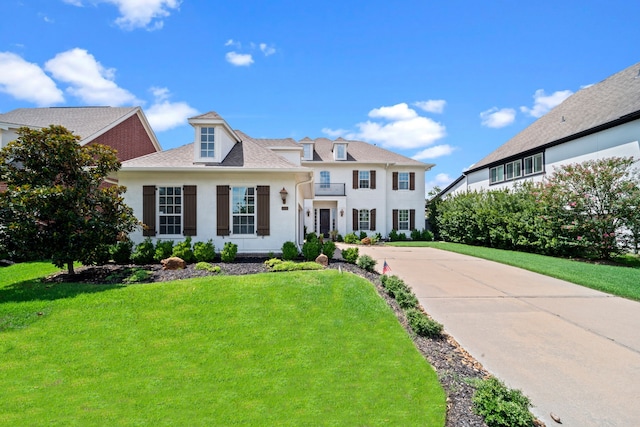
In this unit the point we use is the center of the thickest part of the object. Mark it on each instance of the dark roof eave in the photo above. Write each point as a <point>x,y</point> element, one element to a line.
<point>617,122</point>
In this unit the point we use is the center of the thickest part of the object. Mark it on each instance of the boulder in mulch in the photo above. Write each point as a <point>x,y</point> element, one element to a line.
<point>173,263</point>
<point>323,260</point>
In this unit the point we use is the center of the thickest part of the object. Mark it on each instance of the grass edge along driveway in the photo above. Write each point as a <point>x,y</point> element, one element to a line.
<point>299,348</point>
<point>616,280</point>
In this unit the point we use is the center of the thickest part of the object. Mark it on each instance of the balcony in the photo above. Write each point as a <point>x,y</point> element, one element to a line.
<point>330,189</point>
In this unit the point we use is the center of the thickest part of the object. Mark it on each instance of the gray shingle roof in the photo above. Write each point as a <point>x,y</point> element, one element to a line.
<point>613,99</point>
<point>362,152</point>
<point>86,122</point>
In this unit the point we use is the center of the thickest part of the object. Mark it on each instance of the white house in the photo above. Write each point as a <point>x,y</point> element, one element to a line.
<point>599,121</point>
<point>260,193</point>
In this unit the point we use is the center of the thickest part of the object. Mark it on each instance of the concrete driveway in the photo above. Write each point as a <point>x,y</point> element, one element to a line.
<point>574,351</point>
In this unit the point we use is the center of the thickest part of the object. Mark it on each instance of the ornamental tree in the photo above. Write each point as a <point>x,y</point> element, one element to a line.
<point>594,200</point>
<point>57,205</point>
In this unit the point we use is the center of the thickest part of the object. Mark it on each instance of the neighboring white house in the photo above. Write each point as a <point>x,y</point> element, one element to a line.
<point>260,193</point>
<point>599,121</point>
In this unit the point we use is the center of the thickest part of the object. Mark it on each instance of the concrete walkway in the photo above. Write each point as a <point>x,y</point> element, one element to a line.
<point>574,351</point>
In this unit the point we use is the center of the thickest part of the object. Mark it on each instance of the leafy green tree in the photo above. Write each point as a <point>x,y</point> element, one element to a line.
<point>57,205</point>
<point>594,199</point>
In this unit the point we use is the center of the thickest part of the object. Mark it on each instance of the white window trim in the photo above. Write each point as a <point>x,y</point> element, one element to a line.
<point>254,215</point>
<point>159,214</point>
<point>367,179</point>
<point>497,179</point>
<point>336,152</point>
<point>405,181</point>
<point>361,221</point>
<point>216,144</point>
<point>307,155</point>
<point>407,221</point>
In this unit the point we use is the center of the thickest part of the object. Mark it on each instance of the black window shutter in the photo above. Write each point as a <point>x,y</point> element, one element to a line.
<point>263,209</point>
<point>412,219</point>
<point>395,219</point>
<point>356,179</point>
<point>222,214</point>
<point>372,220</point>
<point>190,210</point>
<point>372,180</point>
<point>395,181</point>
<point>412,181</point>
<point>149,210</point>
<point>356,220</point>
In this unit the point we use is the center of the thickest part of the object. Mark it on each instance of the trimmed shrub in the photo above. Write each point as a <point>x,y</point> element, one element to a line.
<point>406,298</point>
<point>202,265</point>
<point>311,236</point>
<point>422,324</point>
<point>144,252</point>
<point>366,262</point>
<point>229,252</point>
<point>416,235</point>
<point>501,406</point>
<point>183,250</point>
<point>121,252</point>
<point>392,284</point>
<point>351,239</point>
<point>204,251</point>
<point>311,249</point>
<point>362,235</point>
<point>138,275</point>
<point>289,251</point>
<point>164,249</point>
<point>329,248</point>
<point>393,235</point>
<point>278,265</point>
<point>350,255</point>
<point>426,235</point>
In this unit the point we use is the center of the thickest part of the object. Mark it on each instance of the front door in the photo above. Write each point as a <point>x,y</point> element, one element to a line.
<point>325,222</point>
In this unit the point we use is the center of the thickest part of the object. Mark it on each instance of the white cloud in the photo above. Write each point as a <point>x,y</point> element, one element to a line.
<point>233,43</point>
<point>27,81</point>
<point>239,59</point>
<point>334,133</point>
<point>434,152</point>
<point>164,115</point>
<point>147,14</point>
<point>432,105</point>
<point>88,79</point>
<point>416,132</point>
<point>395,112</point>
<point>495,118</point>
<point>543,103</point>
<point>441,180</point>
<point>267,50</point>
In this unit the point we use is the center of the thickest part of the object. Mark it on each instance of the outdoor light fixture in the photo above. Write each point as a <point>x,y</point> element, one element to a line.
<point>308,212</point>
<point>284,194</point>
<point>341,212</point>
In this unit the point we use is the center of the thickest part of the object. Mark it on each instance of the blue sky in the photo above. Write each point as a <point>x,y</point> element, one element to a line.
<point>445,82</point>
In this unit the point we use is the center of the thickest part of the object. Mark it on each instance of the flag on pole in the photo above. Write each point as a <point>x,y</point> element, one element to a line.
<point>385,268</point>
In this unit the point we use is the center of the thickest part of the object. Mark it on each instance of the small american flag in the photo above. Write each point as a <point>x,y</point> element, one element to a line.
<point>385,268</point>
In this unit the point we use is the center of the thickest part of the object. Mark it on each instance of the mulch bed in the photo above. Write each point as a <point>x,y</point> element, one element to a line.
<point>452,363</point>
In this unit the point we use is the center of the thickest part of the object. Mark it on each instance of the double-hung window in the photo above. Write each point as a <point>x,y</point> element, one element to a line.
<point>403,219</point>
<point>307,151</point>
<point>325,179</point>
<point>207,142</point>
<point>243,210</point>
<point>363,179</point>
<point>340,152</point>
<point>403,181</point>
<point>364,219</point>
<point>170,210</point>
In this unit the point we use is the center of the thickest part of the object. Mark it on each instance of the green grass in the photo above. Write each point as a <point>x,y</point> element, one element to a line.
<point>286,349</point>
<point>623,281</point>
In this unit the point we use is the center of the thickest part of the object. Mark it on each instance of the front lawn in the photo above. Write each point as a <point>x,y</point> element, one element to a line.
<point>299,348</point>
<point>617,280</point>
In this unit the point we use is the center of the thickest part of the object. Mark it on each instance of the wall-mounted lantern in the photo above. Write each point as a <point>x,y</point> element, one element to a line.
<point>341,212</point>
<point>284,194</point>
<point>308,212</point>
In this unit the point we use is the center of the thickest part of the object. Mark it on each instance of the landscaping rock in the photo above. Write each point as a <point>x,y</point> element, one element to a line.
<point>366,241</point>
<point>173,263</point>
<point>322,260</point>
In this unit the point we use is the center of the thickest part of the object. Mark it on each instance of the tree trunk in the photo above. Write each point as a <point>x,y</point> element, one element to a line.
<point>70,269</point>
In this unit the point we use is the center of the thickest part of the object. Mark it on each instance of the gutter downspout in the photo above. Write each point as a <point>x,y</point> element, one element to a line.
<point>297,217</point>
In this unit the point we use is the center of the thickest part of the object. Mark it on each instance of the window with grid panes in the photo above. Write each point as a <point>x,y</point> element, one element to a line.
<point>243,210</point>
<point>170,210</point>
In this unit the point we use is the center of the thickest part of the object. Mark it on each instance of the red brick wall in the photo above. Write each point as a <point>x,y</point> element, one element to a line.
<point>129,138</point>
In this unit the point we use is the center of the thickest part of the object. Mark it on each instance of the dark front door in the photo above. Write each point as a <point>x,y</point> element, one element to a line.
<point>325,222</point>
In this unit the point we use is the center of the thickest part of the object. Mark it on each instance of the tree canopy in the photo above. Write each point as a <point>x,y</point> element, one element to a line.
<point>57,204</point>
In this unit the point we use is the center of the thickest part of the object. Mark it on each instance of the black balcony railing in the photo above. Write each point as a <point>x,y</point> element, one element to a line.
<point>329,189</point>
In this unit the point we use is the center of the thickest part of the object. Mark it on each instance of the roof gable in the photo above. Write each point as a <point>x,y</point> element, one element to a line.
<point>613,100</point>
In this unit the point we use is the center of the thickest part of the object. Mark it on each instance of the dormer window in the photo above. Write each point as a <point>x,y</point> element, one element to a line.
<point>340,152</point>
<point>207,142</point>
<point>307,151</point>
